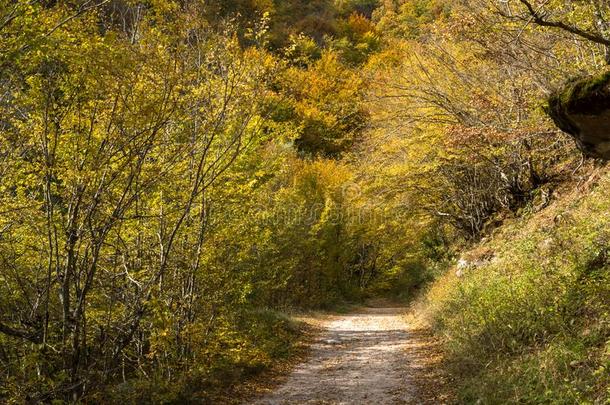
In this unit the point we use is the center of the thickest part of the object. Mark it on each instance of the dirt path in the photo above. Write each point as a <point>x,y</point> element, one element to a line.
<point>359,358</point>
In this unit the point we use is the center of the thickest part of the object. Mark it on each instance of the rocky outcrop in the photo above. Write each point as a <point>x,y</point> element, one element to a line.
<point>582,109</point>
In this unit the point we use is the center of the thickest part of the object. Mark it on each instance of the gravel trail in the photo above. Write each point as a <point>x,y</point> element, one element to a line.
<point>359,358</point>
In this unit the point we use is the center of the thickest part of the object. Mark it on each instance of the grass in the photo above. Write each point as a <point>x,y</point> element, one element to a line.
<point>532,324</point>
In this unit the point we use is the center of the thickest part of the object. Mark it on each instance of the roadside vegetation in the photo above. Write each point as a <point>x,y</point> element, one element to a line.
<point>527,319</point>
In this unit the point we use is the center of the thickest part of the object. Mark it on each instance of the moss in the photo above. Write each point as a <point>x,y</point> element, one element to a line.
<point>581,96</point>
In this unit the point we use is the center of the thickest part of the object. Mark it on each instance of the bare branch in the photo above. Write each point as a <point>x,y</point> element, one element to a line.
<point>539,19</point>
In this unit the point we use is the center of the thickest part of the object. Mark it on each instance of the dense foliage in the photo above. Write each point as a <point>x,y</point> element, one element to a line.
<point>174,172</point>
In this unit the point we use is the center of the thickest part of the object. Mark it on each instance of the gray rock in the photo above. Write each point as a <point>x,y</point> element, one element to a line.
<point>582,109</point>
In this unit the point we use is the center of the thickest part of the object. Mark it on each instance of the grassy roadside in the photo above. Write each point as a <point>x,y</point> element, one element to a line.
<point>428,362</point>
<point>528,320</point>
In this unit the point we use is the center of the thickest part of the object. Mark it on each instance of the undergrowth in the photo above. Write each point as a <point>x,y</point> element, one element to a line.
<point>530,323</point>
<point>250,344</point>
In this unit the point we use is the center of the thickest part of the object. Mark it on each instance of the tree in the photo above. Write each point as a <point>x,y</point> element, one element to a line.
<point>107,163</point>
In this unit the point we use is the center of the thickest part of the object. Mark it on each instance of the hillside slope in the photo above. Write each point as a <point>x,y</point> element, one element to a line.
<point>525,314</point>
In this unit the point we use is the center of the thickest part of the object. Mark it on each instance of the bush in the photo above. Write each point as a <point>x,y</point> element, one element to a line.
<point>249,344</point>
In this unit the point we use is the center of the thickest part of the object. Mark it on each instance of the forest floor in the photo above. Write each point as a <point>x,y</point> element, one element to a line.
<point>375,354</point>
